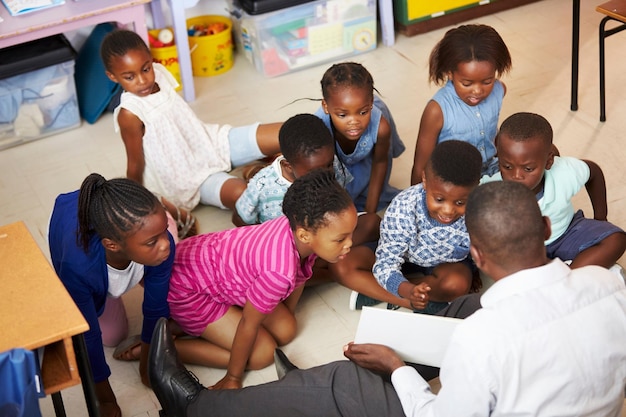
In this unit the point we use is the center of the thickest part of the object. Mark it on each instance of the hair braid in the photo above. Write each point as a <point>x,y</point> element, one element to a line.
<point>311,197</point>
<point>346,74</point>
<point>112,208</point>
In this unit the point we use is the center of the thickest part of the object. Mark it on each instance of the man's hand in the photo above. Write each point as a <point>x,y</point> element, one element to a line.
<point>377,358</point>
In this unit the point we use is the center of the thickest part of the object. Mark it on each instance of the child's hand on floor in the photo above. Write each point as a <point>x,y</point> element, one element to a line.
<point>228,382</point>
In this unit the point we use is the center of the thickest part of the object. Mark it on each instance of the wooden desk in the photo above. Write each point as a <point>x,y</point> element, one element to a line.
<point>37,311</point>
<point>70,16</point>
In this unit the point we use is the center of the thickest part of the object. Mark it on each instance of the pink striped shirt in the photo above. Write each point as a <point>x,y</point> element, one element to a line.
<point>258,263</point>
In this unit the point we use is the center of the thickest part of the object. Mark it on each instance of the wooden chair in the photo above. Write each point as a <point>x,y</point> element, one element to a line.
<point>614,10</point>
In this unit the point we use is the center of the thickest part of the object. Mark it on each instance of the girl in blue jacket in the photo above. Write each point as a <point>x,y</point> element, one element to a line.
<point>104,239</point>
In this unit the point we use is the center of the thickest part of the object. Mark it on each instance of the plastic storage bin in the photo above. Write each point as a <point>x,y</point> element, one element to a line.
<point>306,35</point>
<point>37,90</point>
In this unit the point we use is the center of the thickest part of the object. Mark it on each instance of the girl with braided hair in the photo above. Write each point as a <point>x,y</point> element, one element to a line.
<point>237,289</point>
<point>366,138</point>
<point>104,239</point>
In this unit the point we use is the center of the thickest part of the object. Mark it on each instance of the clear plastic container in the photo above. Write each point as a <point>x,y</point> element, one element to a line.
<point>306,35</point>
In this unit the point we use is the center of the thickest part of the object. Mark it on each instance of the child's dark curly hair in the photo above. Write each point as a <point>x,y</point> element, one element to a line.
<point>456,162</point>
<point>303,135</point>
<point>523,126</point>
<point>118,43</point>
<point>312,197</point>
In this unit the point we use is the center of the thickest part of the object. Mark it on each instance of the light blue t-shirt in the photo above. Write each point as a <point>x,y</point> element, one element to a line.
<point>563,180</point>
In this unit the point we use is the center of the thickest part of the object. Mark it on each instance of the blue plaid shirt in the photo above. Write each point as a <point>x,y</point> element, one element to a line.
<point>409,233</point>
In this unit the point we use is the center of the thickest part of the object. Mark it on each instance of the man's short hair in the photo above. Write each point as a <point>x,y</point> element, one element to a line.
<point>503,217</point>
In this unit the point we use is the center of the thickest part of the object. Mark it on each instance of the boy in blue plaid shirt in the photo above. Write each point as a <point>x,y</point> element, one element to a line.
<point>423,231</point>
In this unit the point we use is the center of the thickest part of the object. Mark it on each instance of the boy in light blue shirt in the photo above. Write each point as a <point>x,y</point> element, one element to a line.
<point>526,155</point>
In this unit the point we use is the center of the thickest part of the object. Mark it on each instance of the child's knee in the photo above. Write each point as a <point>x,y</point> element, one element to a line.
<point>352,268</point>
<point>286,332</point>
<point>231,191</point>
<point>620,239</point>
<point>455,286</point>
<point>339,271</point>
<point>453,281</point>
<point>262,355</point>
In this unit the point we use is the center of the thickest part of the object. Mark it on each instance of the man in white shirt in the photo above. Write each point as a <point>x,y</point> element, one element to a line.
<point>549,341</point>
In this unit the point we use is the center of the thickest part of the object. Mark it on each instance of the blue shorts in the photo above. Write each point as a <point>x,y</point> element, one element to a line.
<point>581,234</point>
<point>409,268</point>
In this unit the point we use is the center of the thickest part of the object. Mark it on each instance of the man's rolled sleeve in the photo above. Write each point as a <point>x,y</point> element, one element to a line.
<point>413,391</point>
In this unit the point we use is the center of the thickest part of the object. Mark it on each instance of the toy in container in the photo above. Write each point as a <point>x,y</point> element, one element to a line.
<point>307,34</point>
<point>163,50</point>
<point>210,44</point>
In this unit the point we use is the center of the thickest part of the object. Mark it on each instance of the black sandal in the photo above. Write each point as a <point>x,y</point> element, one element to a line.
<point>185,228</point>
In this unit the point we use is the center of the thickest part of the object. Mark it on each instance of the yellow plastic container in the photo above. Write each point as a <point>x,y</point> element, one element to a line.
<point>168,57</point>
<point>211,54</point>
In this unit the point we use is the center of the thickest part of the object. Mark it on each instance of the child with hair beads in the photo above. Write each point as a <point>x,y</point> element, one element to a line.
<point>105,239</point>
<point>423,231</point>
<point>365,134</point>
<point>470,59</point>
<point>237,289</point>
<point>525,154</point>
<point>306,145</point>
<point>169,150</point>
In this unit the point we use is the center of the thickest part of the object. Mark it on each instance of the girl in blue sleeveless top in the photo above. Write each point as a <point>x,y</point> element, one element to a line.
<point>366,139</point>
<point>469,59</point>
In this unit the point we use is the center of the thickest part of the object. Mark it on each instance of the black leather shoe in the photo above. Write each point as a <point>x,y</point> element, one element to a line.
<point>283,364</point>
<point>174,386</point>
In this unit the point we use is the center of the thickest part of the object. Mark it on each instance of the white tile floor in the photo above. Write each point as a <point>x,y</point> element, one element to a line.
<point>539,37</point>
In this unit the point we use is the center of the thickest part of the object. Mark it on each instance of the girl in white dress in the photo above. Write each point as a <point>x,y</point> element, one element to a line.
<point>168,148</point>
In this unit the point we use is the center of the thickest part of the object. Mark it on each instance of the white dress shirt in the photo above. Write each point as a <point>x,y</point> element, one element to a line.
<point>549,341</point>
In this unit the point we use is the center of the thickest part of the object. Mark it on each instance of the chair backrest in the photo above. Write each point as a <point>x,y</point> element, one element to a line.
<point>21,384</point>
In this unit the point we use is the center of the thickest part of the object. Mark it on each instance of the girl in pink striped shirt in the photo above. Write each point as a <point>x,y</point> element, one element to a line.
<point>237,289</point>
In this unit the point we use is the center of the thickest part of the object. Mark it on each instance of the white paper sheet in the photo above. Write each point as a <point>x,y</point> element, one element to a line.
<point>417,338</point>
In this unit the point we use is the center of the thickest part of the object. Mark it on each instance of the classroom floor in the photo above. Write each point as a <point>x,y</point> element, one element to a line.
<point>539,38</point>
